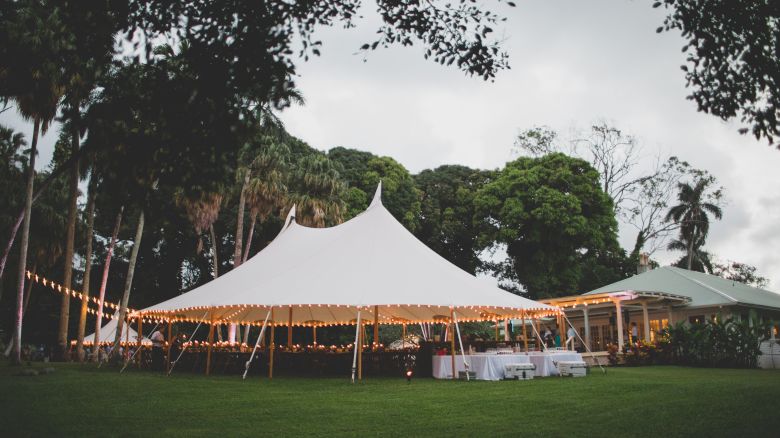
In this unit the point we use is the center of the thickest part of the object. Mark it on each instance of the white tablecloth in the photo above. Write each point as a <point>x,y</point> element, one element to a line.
<point>491,367</point>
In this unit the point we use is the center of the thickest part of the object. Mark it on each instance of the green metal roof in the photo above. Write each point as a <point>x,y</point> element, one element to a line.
<point>703,289</point>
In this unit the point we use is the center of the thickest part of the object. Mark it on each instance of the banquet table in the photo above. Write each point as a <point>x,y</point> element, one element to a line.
<point>491,366</point>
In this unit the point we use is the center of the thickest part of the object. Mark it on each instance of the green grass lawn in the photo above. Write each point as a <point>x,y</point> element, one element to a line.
<point>649,401</point>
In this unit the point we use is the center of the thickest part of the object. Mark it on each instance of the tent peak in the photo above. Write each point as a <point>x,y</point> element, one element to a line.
<point>290,218</point>
<point>377,195</point>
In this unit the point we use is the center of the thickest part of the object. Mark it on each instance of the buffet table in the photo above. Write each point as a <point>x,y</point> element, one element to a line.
<point>491,366</point>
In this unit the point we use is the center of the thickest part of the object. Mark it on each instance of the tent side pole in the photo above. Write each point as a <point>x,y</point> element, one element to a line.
<point>361,340</point>
<point>271,348</point>
<point>289,329</point>
<point>257,343</point>
<point>587,348</point>
<point>140,336</point>
<point>184,347</point>
<point>168,348</point>
<point>403,336</point>
<point>525,334</point>
<point>460,341</point>
<point>497,338</point>
<point>538,336</point>
<point>211,343</point>
<point>314,334</point>
<point>354,357</point>
<point>452,345</point>
<point>127,339</point>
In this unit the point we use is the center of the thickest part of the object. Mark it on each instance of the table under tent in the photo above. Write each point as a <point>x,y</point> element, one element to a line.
<point>367,271</point>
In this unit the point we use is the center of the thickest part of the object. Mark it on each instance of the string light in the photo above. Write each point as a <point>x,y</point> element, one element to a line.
<point>75,294</point>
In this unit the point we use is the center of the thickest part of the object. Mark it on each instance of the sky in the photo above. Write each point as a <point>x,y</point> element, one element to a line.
<point>573,63</point>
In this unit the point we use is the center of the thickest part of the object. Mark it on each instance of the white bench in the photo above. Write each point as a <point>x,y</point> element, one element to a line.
<point>572,368</point>
<point>519,371</point>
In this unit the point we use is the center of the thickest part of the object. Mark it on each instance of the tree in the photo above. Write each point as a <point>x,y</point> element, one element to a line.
<point>31,77</point>
<point>691,214</point>
<point>316,190</point>
<point>697,259</point>
<point>362,171</point>
<point>740,272</point>
<point>87,55</point>
<point>641,193</point>
<point>613,153</point>
<point>447,210</point>
<point>553,219</point>
<point>733,59</point>
<point>266,192</point>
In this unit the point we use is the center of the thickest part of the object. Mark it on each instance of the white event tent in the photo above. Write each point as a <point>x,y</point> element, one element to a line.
<point>108,332</point>
<point>323,276</point>
<point>368,268</point>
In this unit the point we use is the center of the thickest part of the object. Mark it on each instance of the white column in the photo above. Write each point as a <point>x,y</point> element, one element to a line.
<point>586,321</point>
<point>671,316</point>
<point>619,320</point>
<point>647,321</point>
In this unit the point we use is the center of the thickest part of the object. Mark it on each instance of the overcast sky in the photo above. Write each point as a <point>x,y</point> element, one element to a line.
<point>573,63</point>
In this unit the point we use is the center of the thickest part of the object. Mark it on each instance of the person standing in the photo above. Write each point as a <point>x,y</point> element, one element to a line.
<point>570,335</point>
<point>158,342</point>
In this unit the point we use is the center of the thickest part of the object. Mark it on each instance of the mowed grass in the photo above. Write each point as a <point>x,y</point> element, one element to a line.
<point>80,400</point>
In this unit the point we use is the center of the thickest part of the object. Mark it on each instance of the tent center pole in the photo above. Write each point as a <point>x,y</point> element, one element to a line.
<point>525,333</point>
<point>211,344</point>
<point>271,347</point>
<point>289,330</point>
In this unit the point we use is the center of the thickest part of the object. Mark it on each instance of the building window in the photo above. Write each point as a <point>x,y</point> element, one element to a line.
<point>656,326</point>
<point>696,319</point>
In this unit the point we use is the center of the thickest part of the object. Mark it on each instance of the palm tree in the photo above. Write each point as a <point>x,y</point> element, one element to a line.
<point>691,214</point>
<point>33,81</point>
<point>266,192</point>
<point>700,261</point>
<point>318,192</point>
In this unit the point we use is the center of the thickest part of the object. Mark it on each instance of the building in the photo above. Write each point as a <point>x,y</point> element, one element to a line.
<point>653,299</point>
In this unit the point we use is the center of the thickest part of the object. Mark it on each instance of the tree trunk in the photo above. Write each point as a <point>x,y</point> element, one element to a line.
<point>87,271</point>
<point>20,217</point>
<point>70,241</point>
<point>690,252</point>
<point>215,261</point>
<point>240,224</point>
<point>249,237</point>
<point>128,284</point>
<point>29,289</point>
<point>24,309</point>
<point>104,281</point>
<point>17,351</point>
<point>214,258</point>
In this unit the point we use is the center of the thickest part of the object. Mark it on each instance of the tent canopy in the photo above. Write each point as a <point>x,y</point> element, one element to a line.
<point>323,276</point>
<point>108,332</point>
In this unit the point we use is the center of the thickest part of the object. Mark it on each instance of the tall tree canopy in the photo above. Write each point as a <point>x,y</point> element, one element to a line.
<point>554,220</point>
<point>733,59</point>
<point>447,211</point>
<point>362,171</point>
